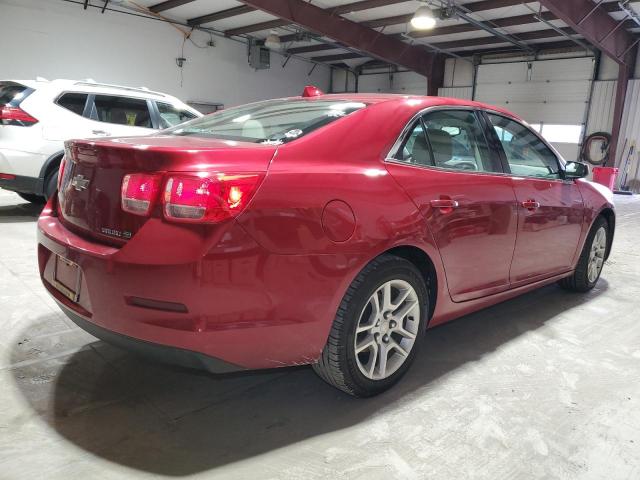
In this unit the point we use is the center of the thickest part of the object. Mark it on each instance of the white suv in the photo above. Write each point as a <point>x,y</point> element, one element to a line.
<point>37,116</point>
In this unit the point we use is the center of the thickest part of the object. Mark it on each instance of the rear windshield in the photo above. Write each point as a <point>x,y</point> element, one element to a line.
<point>271,122</point>
<point>11,93</point>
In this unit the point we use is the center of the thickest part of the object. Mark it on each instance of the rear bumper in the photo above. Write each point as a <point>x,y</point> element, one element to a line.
<point>21,163</point>
<point>154,351</point>
<point>241,305</point>
<point>20,184</point>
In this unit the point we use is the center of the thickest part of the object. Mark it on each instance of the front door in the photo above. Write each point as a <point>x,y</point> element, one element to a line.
<point>469,207</point>
<point>550,209</point>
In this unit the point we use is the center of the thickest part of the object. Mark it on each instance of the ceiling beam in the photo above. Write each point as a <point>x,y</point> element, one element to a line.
<point>541,47</point>
<point>447,30</point>
<point>212,17</point>
<point>340,10</point>
<point>162,6</point>
<point>457,44</point>
<point>597,26</point>
<point>351,34</point>
<point>566,45</point>
<point>474,42</point>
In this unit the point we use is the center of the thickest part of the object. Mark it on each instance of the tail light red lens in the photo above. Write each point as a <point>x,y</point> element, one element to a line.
<point>139,191</point>
<point>208,198</point>
<point>16,116</point>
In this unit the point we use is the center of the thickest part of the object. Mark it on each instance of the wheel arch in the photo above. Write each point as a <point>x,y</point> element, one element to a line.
<point>427,268</point>
<point>610,216</point>
<point>50,165</point>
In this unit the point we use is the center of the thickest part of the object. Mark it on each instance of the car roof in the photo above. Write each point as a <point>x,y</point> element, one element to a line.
<point>411,102</point>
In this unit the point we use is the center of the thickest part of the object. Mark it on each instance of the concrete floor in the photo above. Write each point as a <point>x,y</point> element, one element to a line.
<point>543,386</point>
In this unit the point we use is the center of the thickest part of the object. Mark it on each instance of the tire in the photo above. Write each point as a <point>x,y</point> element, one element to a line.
<point>593,254</point>
<point>32,198</point>
<point>361,374</point>
<point>51,184</point>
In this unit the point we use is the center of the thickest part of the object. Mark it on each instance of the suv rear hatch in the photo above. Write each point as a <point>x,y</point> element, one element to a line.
<point>91,185</point>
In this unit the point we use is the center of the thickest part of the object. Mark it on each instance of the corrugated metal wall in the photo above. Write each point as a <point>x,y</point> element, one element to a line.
<point>602,103</point>
<point>630,131</point>
<point>464,93</point>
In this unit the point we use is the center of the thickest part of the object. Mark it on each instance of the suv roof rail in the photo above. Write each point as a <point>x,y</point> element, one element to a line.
<point>41,79</point>
<point>119,87</point>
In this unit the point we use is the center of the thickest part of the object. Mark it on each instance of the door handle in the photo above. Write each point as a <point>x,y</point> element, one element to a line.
<point>531,204</point>
<point>100,132</point>
<point>446,205</point>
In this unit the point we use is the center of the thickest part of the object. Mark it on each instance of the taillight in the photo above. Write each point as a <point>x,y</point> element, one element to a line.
<point>139,191</point>
<point>208,198</point>
<point>16,116</point>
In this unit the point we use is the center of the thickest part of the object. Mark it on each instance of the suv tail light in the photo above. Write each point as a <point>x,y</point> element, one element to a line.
<point>139,191</point>
<point>203,198</point>
<point>16,116</point>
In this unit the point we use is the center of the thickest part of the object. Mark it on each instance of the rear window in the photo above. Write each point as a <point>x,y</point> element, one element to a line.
<point>11,93</point>
<point>271,122</point>
<point>73,102</point>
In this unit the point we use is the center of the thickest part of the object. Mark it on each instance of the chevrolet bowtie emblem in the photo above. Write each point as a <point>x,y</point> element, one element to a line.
<point>80,183</point>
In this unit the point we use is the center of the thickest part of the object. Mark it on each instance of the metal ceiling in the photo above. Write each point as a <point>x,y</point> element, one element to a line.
<point>328,34</point>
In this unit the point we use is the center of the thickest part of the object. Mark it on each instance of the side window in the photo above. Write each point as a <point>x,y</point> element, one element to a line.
<point>458,142</point>
<point>73,102</point>
<point>526,154</point>
<point>170,115</point>
<point>122,111</point>
<point>415,148</point>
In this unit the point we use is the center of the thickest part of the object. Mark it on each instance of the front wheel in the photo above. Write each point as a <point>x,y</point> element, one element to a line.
<point>378,328</point>
<point>591,260</point>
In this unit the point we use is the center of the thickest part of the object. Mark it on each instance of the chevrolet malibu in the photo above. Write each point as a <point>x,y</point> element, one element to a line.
<point>330,230</point>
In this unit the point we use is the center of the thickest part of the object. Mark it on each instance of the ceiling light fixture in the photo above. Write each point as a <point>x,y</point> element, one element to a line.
<point>423,19</point>
<point>272,41</point>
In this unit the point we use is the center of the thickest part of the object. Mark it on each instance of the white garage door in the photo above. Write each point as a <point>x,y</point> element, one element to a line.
<point>552,95</point>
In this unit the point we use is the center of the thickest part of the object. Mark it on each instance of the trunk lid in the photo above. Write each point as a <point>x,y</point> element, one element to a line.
<point>89,200</point>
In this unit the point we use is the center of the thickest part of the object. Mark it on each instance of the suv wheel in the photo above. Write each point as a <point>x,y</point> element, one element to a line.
<point>51,184</point>
<point>378,328</point>
<point>32,198</point>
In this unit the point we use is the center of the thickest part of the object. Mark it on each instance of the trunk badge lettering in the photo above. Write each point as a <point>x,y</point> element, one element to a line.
<point>80,183</point>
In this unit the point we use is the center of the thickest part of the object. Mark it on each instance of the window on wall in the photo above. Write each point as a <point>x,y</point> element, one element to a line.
<point>561,133</point>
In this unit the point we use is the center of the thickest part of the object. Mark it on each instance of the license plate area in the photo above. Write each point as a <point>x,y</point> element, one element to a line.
<point>67,277</point>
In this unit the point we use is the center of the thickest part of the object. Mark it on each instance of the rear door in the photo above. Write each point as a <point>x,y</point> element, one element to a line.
<point>114,115</point>
<point>447,168</point>
<point>550,209</point>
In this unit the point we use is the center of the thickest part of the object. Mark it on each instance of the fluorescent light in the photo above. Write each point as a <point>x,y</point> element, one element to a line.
<point>423,19</point>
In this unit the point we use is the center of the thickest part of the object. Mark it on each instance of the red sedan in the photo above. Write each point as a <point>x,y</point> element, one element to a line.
<point>330,230</point>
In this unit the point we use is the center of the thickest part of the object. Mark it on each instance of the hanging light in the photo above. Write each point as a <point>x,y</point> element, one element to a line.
<point>272,41</point>
<point>423,19</point>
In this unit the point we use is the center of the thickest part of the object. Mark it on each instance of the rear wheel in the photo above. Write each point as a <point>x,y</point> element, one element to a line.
<point>378,328</point>
<point>51,184</point>
<point>591,259</point>
<point>32,198</point>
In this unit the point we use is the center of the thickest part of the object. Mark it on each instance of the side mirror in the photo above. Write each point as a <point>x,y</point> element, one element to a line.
<point>575,170</point>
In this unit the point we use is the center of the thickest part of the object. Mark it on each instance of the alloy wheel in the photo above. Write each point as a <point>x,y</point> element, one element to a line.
<point>596,255</point>
<point>387,329</point>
